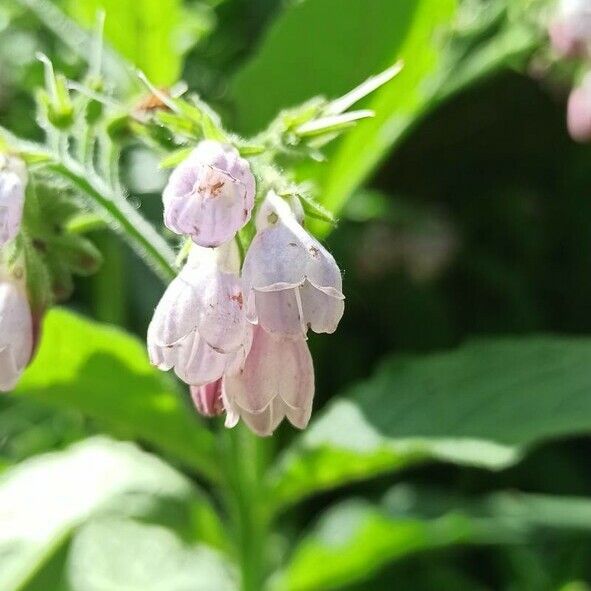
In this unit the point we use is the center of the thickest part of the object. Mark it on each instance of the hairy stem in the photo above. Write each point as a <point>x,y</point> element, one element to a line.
<point>121,215</point>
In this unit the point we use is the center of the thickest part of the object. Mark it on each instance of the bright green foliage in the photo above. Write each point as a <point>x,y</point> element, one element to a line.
<point>143,31</point>
<point>482,405</point>
<point>105,373</point>
<point>355,538</point>
<point>44,499</point>
<point>109,554</point>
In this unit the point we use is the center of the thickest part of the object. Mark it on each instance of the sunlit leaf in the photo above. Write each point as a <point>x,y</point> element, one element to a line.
<point>105,373</point>
<point>112,554</point>
<point>44,498</point>
<point>142,31</point>
<point>352,540</point>
<point>482,405</point>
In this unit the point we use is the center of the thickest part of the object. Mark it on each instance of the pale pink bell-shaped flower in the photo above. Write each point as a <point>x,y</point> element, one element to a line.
<point>208,398</point>
<point>12,197</point>
<point>277,382</point>
<point>16,331</point>
<point>210,195</point>
<point>579,111</point>
<point>570,30</point>
<point>199,327</point>
<point>291,282</point>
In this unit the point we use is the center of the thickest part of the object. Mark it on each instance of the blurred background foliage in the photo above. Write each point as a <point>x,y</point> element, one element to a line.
<point>450,444</point>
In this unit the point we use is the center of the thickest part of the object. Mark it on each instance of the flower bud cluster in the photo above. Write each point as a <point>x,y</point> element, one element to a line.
<point>570,35</point>
<point>235,331</point>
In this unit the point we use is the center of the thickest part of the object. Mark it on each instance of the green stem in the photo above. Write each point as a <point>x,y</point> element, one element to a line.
<point>122,216</point>
<point>246,459</point>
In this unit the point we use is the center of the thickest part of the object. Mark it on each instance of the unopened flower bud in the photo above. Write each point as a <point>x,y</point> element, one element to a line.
<point>210,195</point>
<point>291,282</point>
<point>12,197</point>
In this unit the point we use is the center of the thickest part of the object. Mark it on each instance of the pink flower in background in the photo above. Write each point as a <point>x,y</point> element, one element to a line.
<point>579,111</point>
<point>570,30</point>
<point>16,332</point>
<point>12,197</point>
<point>291,282</point>
<point>277,382</point>
<point>199,327</point>
<point>210,195</point>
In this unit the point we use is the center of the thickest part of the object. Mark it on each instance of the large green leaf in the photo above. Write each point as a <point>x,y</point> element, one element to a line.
<point>321,47</point>
<point>110,554</point>
<point>105,373</point>
<point>352,540</point>
<point>44,498</point>
<point>483,405</point>
<point>325,47</point>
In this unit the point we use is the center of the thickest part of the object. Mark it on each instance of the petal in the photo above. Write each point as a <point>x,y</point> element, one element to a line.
<point>579,112</point>
<point>208,398</point>
<point>232,413</point>
<point>16,324</point>
<point>261,423</point>
<point>176,315</point>
<point>197,363</point>
<point>222,322</point>
<point>274,368</point>
<point>12,198</point>
<point>275,260</point>
<point>9,372</point>
<point>279,311</point>
<point>322,312</point>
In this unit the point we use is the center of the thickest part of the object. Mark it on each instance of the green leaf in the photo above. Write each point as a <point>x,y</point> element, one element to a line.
<point>142,31</point>
<point>482,405</point>
<point>355,538</point>
<point>44,498</point>
<point>112,554</point>
<point>105,373</point>
<point>342,49</point>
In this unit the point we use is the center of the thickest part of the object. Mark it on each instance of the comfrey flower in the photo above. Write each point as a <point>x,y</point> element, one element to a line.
<point>570,30</point>
<point>210,195</point>
<point>13,181</point>
<point>291,282</point>
<point>16,331</point>
<point>199,328</point>
<point>579,111</point>
<point>277,382</point>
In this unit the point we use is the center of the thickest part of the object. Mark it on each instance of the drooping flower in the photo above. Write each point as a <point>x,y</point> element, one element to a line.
<point>277,382</point>
<point>210,195</point>
<point>199,327</point>
<point>291,282</point>
<point>16,331</point>
<point>579,111</point>
<point>12,197</point>
<point>570,30</point>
